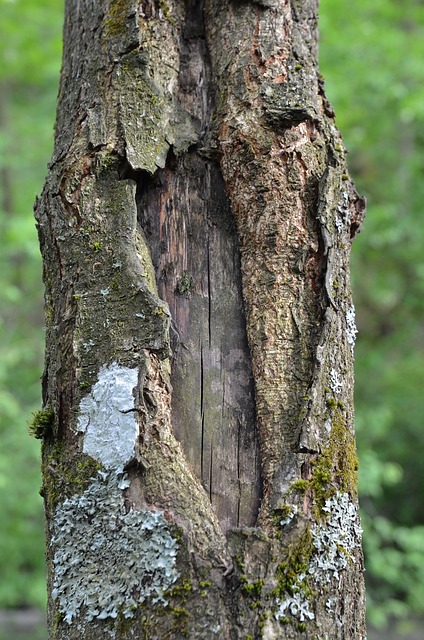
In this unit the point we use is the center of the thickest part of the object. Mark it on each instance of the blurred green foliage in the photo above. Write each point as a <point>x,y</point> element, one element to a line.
<point>30,47</point>
<point>372,57</point>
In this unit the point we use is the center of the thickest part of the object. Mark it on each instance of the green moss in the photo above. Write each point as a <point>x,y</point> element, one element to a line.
<point>159,311</point>
<point>344,454</point>
<point>166,11</point>
<point>301,486</point>
<point>182,589</point>
<point>107,162</point>
<point>336,468</point>
<point>185,283</point>
<point>97,246</point>
<point>180,612</point>
<point>116,22</point>
<point>301,626</point>
<point>205,583</point>
<point>322,480</point>
<point>179,595</point>
<point>59,616</point>
<point>262,620</point>
<point>64,478</point>
<point>282,514</point>
<point>41,423</point>
<point>123,625</point>
<point>331,403</point>
<point>57,619</point>
<point>151,618</point>
<point>295,564</point>
<point>253,589</point>
<point>49,315</point>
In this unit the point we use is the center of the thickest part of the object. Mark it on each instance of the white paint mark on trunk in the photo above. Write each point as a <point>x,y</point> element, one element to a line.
<point>107,417</point>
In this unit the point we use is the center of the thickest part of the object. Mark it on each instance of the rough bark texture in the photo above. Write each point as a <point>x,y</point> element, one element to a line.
<point>199,462</point>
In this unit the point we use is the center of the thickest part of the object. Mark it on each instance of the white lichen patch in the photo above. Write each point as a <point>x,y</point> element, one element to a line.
<point>351,330</point>
<point>336,539</point>
<point>107,559</point>
<point>343,216</point>
<point>336,382</point>
<point>297,604</point>
<point>107,418</point>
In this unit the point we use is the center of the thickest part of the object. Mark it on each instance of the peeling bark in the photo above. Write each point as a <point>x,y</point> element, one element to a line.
<point>196,226</point>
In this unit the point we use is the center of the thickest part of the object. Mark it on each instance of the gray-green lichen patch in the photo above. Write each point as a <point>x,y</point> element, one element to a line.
<point>107,418</point>
<point>108,559</point>
<point>335,541</point>
<point>297,604</point>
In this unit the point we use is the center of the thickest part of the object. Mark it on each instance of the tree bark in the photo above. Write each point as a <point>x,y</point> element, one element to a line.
<point>199,464</point>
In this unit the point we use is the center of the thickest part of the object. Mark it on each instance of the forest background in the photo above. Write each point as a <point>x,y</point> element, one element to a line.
<point>372,58</point>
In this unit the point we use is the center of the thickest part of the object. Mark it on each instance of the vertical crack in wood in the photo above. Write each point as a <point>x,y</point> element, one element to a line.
<point>209,296</point>
<point>210,474</point>
<point>202,415</point>
<point>238,471</point>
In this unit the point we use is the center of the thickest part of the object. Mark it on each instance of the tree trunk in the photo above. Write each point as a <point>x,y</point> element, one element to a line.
<point>199,465</point>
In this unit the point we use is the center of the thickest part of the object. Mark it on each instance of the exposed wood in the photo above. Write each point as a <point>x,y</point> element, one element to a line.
<point>190,229</point>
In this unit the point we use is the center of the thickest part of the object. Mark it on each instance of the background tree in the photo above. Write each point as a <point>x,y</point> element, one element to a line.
<point>197,170</point>
<point>30,62</point>
<point>379,101</point>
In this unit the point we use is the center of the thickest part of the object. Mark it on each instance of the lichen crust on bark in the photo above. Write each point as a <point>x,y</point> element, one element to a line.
<point>139,547</point>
